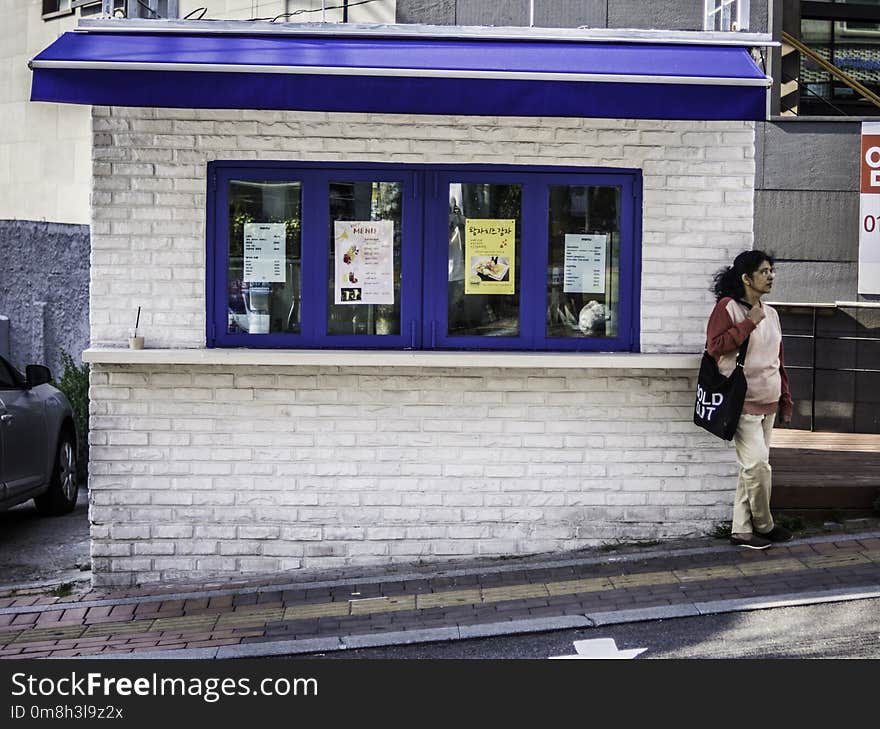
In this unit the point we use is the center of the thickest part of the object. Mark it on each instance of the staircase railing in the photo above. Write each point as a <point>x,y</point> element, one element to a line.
<point>831,68</point>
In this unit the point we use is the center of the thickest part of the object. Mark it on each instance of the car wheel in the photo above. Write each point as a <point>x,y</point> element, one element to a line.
<point>60,498</point>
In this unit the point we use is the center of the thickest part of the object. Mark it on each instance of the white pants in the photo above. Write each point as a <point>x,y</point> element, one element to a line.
<point>751,506</point>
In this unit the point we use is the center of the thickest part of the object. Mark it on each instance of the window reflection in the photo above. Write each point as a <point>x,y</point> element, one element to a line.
<point>853,46</point>
<point>583,287</point>
<point>365,201</point>
<point>265,257</point>
<point>484,256</point>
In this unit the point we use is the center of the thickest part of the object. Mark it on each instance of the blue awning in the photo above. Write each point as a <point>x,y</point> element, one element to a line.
<point>412,75</point>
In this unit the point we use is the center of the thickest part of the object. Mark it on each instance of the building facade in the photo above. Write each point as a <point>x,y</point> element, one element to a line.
<point>807,151</point>
<point>225,447</point>
<point>256,432</point>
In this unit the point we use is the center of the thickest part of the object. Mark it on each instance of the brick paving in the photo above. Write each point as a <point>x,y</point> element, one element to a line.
<point>263,610</point>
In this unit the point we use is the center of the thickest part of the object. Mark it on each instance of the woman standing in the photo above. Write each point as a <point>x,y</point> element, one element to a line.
<point>740,314</point>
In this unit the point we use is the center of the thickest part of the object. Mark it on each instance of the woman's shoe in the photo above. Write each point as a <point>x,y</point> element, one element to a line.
<point>750,540</point>
<point>776,534</point>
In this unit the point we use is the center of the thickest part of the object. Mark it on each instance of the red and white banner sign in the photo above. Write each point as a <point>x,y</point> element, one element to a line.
<point>869,210</point>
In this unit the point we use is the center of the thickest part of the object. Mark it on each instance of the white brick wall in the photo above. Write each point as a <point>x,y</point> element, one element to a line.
<point>220,470</point>
<point>324,467</point>
<point>148,228</point>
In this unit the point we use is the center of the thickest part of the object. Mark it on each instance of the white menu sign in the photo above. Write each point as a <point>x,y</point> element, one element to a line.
<point>584,264</point>
<point>364,262</point>
<point>264,252</point>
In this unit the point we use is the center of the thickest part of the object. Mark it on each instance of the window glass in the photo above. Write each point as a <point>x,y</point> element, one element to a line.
<point>8,380</point>
<point>310,255</point>
<point>484,259</point>
<point>264,275</point>
<point>54,8</point>
<point>583,287</point>
<point>365,248</point>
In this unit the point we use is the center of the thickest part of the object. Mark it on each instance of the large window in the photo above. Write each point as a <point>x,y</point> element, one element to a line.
<point>265,296</point>
<point>56,8</point>
<point>846,34</point>
<point>364,284</point>
<point>117,8</point>
<point>417,257</point>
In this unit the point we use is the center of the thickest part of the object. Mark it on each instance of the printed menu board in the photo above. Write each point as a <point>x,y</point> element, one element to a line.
<point>584,264</point>
<point>489,250</point>
<point>264,252</point>
<point>364,262</point>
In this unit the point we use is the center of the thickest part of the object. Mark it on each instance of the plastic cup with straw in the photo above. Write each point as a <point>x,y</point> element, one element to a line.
<point>135,341</point>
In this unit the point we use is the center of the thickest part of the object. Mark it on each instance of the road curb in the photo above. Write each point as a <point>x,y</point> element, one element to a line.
<point>400,637</point>
<point>527,625</point>
<point>23,588</point>
<point>663,612</point>
<point>870,592</point>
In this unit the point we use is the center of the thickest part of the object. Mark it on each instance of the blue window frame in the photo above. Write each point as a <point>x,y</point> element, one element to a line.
<point>568,278</point>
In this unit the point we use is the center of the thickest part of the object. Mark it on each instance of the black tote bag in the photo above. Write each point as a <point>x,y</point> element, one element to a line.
<point>720,399</point>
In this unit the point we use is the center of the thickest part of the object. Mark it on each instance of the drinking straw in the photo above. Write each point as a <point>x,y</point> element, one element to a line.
<point>137,321</point>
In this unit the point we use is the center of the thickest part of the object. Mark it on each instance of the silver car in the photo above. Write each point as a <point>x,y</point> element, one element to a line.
<point>37,441</point>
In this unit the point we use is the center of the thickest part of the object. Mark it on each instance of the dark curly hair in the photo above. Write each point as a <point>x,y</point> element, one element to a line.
<point>728,280</point>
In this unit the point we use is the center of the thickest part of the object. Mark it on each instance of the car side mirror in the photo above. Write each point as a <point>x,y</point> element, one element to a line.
<point>37,375</point>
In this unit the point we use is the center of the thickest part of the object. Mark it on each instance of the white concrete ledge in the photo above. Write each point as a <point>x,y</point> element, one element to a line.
<point>385,358</point>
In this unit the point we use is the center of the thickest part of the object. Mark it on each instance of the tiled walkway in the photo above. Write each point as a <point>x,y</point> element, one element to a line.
<point>513,592</point>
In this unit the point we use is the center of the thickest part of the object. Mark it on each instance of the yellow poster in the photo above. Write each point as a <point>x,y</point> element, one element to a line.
<point>489,249</point>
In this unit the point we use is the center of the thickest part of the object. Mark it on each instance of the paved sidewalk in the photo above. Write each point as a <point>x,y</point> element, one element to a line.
<point>300,614</point>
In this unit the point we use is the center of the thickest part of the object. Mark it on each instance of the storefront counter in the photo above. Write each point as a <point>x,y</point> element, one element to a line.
<point>336,357</point>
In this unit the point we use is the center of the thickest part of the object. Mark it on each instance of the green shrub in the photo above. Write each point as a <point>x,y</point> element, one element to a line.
<point>74,383</point>
<point>793,523</point>
<point>62,590</point>
<point>721,530</point>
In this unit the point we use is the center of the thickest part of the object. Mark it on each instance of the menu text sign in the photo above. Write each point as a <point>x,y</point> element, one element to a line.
<point>364,251</point>
<point>264,252</point>
<point>584,271</point>
<point>490,252</point>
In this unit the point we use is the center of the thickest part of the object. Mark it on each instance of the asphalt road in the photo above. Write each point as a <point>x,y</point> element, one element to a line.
<point>36,549</point>
<point>831,630</point>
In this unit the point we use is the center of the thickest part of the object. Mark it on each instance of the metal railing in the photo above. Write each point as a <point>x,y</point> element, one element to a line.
<point>815,338</point>
<point>831,68</point>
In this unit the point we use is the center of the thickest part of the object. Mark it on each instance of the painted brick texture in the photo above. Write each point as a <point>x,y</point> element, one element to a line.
<point>216,470</point>
<point>222,471</point>
<point>148,203</point>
